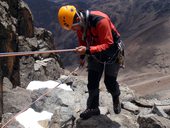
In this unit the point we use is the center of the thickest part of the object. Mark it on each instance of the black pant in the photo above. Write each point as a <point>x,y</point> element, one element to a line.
<point>95,71</point>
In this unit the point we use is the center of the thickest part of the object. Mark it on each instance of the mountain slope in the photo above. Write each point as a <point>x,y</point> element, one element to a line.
<point>149,43</point>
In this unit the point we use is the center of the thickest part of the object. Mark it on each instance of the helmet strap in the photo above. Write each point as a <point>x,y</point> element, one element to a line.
<point>81,17</point>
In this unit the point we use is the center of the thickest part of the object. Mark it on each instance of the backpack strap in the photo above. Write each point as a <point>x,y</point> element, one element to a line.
<point>86,24</point>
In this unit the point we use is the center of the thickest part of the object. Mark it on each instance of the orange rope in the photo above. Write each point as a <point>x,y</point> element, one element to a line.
<point>8,54</point>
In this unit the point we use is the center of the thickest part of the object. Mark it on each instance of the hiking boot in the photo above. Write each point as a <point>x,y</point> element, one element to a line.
<point>116,105</point>
<point>89,113</point>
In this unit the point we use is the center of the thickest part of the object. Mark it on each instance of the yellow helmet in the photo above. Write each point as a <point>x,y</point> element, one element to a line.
<point>66,15</point>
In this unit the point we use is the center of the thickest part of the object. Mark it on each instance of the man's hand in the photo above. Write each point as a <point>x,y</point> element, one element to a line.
<point>81,50</point>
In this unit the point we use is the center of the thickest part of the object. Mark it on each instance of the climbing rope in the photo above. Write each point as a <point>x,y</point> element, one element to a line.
<point>9,54</point>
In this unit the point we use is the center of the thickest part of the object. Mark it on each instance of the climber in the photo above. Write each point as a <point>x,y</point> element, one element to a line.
<point>100,41</point>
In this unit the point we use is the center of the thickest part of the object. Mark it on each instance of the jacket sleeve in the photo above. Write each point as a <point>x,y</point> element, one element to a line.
<point>104,36</point>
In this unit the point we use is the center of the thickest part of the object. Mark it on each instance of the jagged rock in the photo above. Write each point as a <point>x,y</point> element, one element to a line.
<point>131,107</point>
<point>8,39</point>
<point>166,108</point>
<point>15,100</point>
<point>142,102</point>
<point>9,66</point>
<point>25,20</point>
<point>159,111</point>
<point>62,118</point>
<point>38,68</point>
<point>43,34</point>
<point>47,103</point>
<point>101,121</point>
<point>153,121</point>
<point>127,94</point>
<point>38,106</point>
<point>13,123</point>
<point>125,119</point>
<point>76,84</point>
<point>57,97</point>
<point>31,67</point>
<point>13,7</point>
<point>44,123</point>
<point>49,70</point>
<point>7,83</point>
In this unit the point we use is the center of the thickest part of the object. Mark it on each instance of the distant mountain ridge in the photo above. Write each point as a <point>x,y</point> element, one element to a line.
<point>140,23</point>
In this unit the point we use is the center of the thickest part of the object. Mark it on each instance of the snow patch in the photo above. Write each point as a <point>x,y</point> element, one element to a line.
<point>30,118</point>
<point>35,85</point>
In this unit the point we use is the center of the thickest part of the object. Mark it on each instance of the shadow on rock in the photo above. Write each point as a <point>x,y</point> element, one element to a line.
<point>101,121</point>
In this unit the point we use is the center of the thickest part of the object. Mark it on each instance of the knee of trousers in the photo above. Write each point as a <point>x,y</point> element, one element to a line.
<point>111,83</point>
<point>93,85</point>
<point>112,87</point>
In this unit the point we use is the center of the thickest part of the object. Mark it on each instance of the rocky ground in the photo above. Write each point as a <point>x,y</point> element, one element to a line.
<point>145,111</point>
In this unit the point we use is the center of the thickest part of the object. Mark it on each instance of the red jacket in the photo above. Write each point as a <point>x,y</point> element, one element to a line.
<point>99,34</point>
